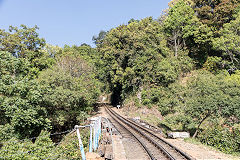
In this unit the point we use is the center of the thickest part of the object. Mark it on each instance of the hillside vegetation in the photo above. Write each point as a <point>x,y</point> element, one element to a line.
<point>185,63</point>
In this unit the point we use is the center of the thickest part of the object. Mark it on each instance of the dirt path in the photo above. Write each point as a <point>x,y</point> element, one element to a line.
<point>200,151</point>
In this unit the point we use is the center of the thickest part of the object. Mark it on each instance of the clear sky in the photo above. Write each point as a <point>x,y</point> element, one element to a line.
<point>75,21</point>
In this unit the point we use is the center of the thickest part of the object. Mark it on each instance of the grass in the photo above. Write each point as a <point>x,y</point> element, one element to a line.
<point>149,118</point>
<point>234,155</point>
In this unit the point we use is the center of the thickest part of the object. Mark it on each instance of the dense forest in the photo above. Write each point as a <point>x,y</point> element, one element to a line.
<point>185,63</point>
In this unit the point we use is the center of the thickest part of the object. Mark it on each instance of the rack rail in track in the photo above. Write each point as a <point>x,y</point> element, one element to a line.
<point>141,133</point>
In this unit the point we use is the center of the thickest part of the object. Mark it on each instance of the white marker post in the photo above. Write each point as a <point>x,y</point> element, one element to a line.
<point>80,143</point>
<point>96,125</point>
<point>98,130</point>
<point>90,142</point>
<point>94,136</point>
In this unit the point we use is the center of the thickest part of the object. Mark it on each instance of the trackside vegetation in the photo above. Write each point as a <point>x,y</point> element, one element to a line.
<point>186,64</point>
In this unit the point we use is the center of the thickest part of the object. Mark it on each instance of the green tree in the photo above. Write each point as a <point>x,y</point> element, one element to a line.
<point>20,40</point>
<point>20,98</point>
<point>129,53</point>
<point>24,42</point>
<point>228,43</point>
<point>132,20</point>
<point>98,39</point>
<point>215,13</point>
<point>205,100</point>
<point>180,25</point>
<point>70,88</point>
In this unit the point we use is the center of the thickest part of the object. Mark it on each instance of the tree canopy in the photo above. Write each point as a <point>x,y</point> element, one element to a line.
<point>185,64</point>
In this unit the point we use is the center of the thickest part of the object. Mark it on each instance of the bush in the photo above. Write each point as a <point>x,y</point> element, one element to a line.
<point>44,148</point>
<point>20,98</point>
<point>15,149</point>
<point>222,138</point>
<point>213,64</point>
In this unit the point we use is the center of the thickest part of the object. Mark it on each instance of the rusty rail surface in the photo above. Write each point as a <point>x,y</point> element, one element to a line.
<point>157,141</point>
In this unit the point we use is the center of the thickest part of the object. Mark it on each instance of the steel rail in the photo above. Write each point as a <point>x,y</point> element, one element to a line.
<point>159,138</point>
<point>141,143</point>
<point>163,150</point>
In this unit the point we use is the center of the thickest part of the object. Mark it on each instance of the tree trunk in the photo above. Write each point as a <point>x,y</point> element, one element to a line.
<point>184,43</point>
<point>175,44</point>
<point>197,130</point>
<point>139,94</point>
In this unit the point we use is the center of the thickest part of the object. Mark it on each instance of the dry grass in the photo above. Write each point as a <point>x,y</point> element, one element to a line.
<point>151,116</point>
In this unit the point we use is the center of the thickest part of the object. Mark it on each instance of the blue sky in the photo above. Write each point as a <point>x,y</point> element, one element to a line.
<point>75,21</point>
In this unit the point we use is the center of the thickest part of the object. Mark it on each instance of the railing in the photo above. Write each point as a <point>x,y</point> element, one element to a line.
<point>95,132</point>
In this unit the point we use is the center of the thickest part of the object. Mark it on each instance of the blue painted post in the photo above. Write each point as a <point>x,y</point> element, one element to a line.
<point>80,144</point>
<point>99,126</point>
<point>94,136</point>
<point>96,133</point>
<point>97,140</point>
<point>90,142</point>
<point>97,130</point>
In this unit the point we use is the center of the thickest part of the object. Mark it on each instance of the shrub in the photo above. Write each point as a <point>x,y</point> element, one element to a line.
<point>222,138</point>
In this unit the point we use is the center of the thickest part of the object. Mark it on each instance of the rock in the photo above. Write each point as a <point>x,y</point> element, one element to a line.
<point>136,119</point>
<point>147,126</point>
<point>178,135</point>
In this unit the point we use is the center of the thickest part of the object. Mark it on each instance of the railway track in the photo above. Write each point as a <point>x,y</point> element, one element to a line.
<point>154,146</point>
